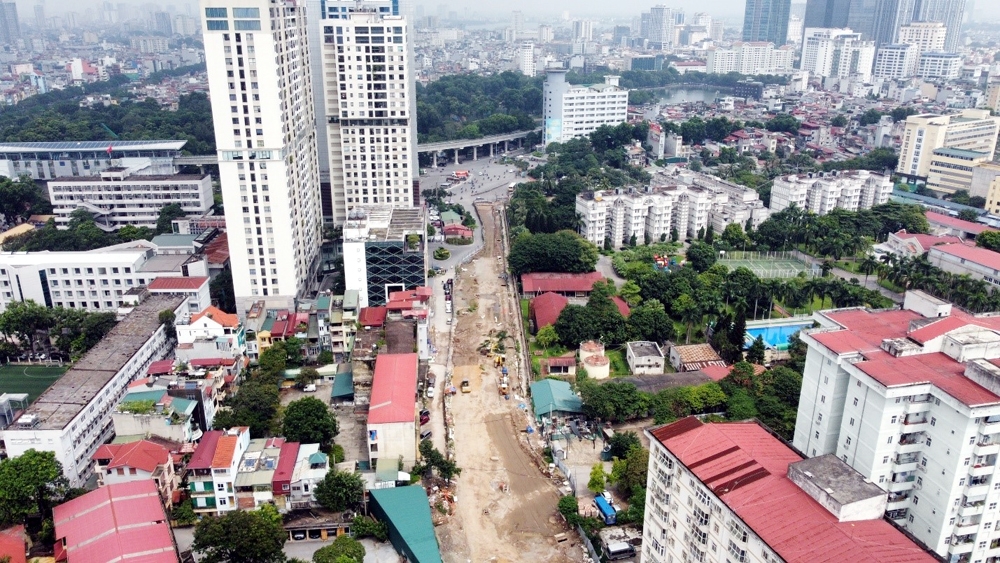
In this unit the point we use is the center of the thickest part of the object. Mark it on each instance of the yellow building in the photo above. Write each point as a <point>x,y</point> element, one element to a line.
<point>971,130</point>
<point>951,169</point>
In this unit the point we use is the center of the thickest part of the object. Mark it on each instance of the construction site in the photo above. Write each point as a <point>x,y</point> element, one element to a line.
<point>502,507</point>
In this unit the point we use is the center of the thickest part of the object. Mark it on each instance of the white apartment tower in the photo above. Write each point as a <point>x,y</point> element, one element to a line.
<point>262,109</point>
<point>895,61</point>
<point>370,104</point>
<point>526,59</point>
<point>839,53</point>
<point>926,36</point>
<point>573,111</point>
<point>910,399</point>
<point>821,193</point>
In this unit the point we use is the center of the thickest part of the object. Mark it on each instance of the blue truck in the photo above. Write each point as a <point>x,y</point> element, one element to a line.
<point>608,513</point>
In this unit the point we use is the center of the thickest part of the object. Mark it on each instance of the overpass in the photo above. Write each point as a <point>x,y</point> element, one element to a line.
<point>434,148</point>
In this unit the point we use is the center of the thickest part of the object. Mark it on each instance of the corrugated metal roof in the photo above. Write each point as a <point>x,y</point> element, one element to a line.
<point>203,454</point>
<point>550,395</point>
<point>394,388</point>
<point>408,512</point>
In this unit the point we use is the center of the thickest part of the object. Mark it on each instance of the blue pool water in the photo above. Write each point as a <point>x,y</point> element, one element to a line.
<point>776,336</point>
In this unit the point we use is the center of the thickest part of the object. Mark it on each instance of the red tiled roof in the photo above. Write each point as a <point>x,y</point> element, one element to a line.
<point>144,455</point>
<point>956,223</point>
<point>747,469</point>
<point>717,373</point>
<point>211,362</point>
<point>160,367</point>
<point>422,293</point>
<point>562,361</point>
<point>218,315</point>
<point>394,387</point>
<point>546,307</point>
<point>12,543</point>
<point>622,305</point>
<point>927,241</point>
<point>372,316</point>
<point>936,369</point>
<point>540,282</point>
<point>203,454</point>
<point>286,465</point>
<point>975,254</point>
<point>224,452</point>
<point>120,522</point>
<point>172,284</point>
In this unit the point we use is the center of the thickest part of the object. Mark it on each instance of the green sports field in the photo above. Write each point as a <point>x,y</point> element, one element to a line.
<point>765,268</point>
<point>28,379</point>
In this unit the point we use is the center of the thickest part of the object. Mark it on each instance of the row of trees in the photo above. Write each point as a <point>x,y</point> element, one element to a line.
<point>71,332</point>
<point>82,233</point>
<point>632,79</point>
<point>961,289</point>
<point>468,106</point>
<point>564,251</point>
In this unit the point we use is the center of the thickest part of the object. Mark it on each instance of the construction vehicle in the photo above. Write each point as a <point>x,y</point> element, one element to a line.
<point>466,387</point>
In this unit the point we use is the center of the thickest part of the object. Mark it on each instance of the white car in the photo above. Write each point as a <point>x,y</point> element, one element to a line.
<point>430,393</point>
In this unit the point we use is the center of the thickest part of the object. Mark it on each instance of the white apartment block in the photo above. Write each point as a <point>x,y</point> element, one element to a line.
<point>822,192</point>
<point>837,53</point>
<point>728,492</point>
<point>370,104</point>
<point>688,203</point>
<point>927,36</point>
<point>970,129</point>
<point>49,161</point>
<point>750,57</point>
<point>94,280</point>
<point>262,109</point>
<point>118,197</point>
<point>895,61</point>
<point>73,417</point>
<point>574,111</point>
<point>909,398</point>
<point>526,59</point>
<point>947,66</point>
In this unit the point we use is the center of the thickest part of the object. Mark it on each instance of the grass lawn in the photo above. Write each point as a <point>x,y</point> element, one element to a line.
<point>28,379</point>
<point>619,367</point>
<point>816,304</point>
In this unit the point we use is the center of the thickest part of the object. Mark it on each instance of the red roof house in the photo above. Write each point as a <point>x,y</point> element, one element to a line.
<point>202,456</point>
<point>946,224</point>
<point>546,307</point>
<point>457,231</point>
<point>622,305</point>
<point>570,285</point>
<point>120,522</point>
<point>13,544</point>
<point>142,455</point>
<point>177,284</point>
<point>394,387</point>
<point>372,316</point>
<point>282,479</point>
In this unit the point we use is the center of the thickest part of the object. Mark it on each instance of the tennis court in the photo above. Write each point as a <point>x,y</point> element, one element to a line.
<point>28,379</point>
<point>766,264</point>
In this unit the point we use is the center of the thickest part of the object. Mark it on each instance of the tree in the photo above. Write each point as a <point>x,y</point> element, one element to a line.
<point>689,311</point>
<point>167,318</point>
<point>167,214</point>
<point>293,351</point>
<point>309,421</point>
<point>734,237</point>
<point>433,459</point>
<point>701,256</point>
<point>24,320</point>
<point>340,490</point>
<point>576,324</point>
<point>783,123</point>
<point>546,336</point>
<point>272,362</point>
<point>755,355</point>
<point>710,234</point>
<point>20,198</point>
<point>622,442</point>
<point>839,120</point>
<point>306,376</point>
<point>32,482</point>
<point>564,251</point>
<point>989,240</point>
<point>630,472</point>
<point>615,401</point>
<point>222,292</point>
<point>650,321</point>
<point>968,215</point>
<point>255,406</point>
<point>597,478</point>
<point>569,508</point>
<point>631,293</point>
<point>344,548</point>
<point>325,358</point>
<point>241,536</point>
<point>741,406</point>
<point>870,117</point>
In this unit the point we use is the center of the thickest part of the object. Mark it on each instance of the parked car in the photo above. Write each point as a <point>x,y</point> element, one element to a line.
<point>430,392</point>
<point>425,412</point>
<point>424,419</point>
<point>299,535</point>
<point>425,435</point>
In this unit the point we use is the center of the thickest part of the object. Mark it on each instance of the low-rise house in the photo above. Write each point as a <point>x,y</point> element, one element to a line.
<point>694,357</point>
<point>392,429</point>
<point>213,468</point>
<point>137,461</point>
<point>254,478</point>
<point>567,285</point>
<point>210,333</point>
<point>311,467</point>
<point>914,245</point>
<point>644,358</point>
<point>545,309</point>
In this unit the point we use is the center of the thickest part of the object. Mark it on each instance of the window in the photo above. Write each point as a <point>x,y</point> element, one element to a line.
<point>893,420</point>
<point>739,554</point>
<point>933,421</point>
<point>243,12</point>
<point>218,25</point>
<point>216,12</point>
<point>852,421</point>
<point>848,442</point>
<point>855,401</point>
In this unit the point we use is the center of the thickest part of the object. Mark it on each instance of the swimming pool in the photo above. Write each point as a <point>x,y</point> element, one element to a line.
<point>776,336</point>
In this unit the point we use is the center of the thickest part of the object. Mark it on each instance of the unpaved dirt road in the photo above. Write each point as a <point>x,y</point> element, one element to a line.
<point>505,508</point>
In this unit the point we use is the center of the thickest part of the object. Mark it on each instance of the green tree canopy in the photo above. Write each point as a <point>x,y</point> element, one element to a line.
<point>309,421</point>
<point>344,549</point>
<point>32,482</point>
<point>340,490</point>
<point>564,251</point>
<point>241,536</point>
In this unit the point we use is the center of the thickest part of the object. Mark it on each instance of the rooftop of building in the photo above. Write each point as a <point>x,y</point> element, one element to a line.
<point>143,455</point>
<point>70,394</point>
<point>165,263</point>
<point>839,480</point>
<point>975,254</point>
<point>174,239</point>
<point>747,469</point>
<point>383,223</point>
<point>133,178</point>
<point>394,386</point>
<point>89,146</point>
<point>218,315</point>
<point>123,521</point>
<point>960,153</point>
<point>540,282</point>
<point>644,349</point>
<point>177,284</point>
<point>955,222</point>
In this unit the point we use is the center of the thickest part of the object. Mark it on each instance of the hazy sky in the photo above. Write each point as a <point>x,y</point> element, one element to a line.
<point>533,9</point>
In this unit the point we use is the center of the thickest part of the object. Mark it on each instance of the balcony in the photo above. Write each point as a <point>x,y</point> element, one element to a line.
<point>916,423</point>
<point>905,463</point>
<point>986,446</point>
<point>967,526</point>
<point>971,508</point>
<point>901,483</point>
<point>990,425</point>
<point>898,501</point>
<point>911,442</point>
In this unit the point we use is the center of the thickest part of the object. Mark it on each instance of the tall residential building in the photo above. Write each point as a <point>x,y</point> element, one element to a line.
<point>993,96</point>
<point>750,58</point>
<point>948,12</point>
<point>970,129</point>
<point>732,491</point>
<point>766,20</point>
<point>795,29</point>
<point>861,17</point>
<point>369,105</point>
<point>939,65</point>
<point>526,59</point>
<point>661,26</point>
<point>926,36</point>
<point>40,22</point>
<point>889,16</point>
<point>821,193</point>
<point>909,399</point>
<point>572,111</point>
<point>546,34</point>
<point>516,24</point>
<point>262,109</point>
<point>162,23</point>
<point>583,30</point>
<point>895,61</point>
<point>10,27</point>
<point>839,53</point>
